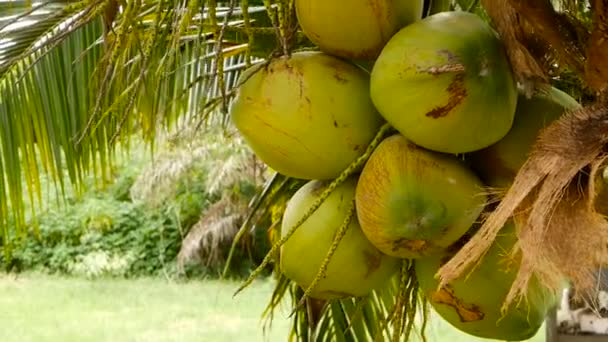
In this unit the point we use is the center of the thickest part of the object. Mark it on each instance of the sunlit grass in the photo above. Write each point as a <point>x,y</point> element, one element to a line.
<point>45,308</point>
<point>42,308</point>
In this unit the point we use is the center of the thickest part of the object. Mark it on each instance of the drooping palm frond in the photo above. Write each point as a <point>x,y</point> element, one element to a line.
<point>231,175</point>
<point>48,52</point>
<point>27,27</point>
<point>225,160</point>
<point>74,85</point>
<point>210,237</point>
<point>379,316</point>
<point>41,102</point>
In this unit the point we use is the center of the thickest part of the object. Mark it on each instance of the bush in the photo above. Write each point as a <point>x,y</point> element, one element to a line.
<point>94,236</point>
<point>135,226</point>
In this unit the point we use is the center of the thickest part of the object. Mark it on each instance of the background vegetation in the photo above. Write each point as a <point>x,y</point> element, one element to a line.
<point>193,190</point>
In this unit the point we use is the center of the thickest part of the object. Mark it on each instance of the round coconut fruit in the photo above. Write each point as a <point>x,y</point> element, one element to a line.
<point>355,29</point>
<point>498,164</point>
<point>473,302</point>
<point>413,202</point>
<point>355,269</point>
<point>445,83</point>
<point>307,116</point>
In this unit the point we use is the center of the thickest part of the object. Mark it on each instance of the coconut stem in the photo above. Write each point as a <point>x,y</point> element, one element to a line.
<point>412,296</point>
<point>273,14</point>
<point>425,318</point>
<point>248,31</point>
<point>219,50</point>
<point>349,171</point>
<point>330,253</point>
<point>398,319</point>
<point>396,308</point>
<point>403,313</point>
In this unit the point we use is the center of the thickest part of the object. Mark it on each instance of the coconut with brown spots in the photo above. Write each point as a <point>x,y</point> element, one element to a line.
<point>473,302</point>
<point>412,202</point>
<point>498,164</point>
<point>356,267</point>
<point>355,29</point>
<point>307,116</point>
<point>445,83</point>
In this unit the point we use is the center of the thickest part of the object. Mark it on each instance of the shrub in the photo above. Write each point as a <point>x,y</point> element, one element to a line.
<point>136,225</point>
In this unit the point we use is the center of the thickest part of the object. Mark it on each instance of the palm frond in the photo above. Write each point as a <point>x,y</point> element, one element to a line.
<point>224,160</point>
<point>217,228</point>
<point>352,319</point>
<point>73,87</point>
<point>41,106</point>
<point>25,24</point>
<point>158,182</point>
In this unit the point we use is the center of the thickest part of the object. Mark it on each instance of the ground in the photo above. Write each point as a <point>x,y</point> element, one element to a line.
<point>47,308</point>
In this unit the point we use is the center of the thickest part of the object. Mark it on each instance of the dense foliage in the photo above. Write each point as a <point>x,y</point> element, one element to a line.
<point>123,230</point>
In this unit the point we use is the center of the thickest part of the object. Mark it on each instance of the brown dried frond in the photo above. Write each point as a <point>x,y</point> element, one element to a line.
<point>570,246</point>
<point>537,38</point>
<point>554,29</point>
<point>596,69</point>
<point>507,22</point>
<point>560,234</point>
<point>208,238</point>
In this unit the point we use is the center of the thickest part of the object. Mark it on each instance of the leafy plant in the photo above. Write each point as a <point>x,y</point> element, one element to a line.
<point>135,226</point>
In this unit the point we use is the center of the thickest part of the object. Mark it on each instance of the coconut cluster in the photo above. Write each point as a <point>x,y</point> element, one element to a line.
<point>444,85</point>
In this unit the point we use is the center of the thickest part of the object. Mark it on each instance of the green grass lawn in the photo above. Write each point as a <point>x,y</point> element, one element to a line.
<point>44,308</point>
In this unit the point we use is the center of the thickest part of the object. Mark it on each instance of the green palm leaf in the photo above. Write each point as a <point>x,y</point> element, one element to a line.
<point>68,94</point>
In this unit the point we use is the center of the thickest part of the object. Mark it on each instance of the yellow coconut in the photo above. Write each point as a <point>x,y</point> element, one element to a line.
<point>473,302</point>
<point>307,116</point>
<point>356,268</point>
<point>498,164</point>
<point>355,29</point>
<point>412,202</point>
<point>445,83</point>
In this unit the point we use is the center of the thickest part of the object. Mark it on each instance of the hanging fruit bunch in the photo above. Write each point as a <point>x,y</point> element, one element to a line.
<point>402,122</point>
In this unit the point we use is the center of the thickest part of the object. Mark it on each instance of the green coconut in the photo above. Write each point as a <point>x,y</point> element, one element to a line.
<point>355,29</point>
<point>413,202</point>
<point>445,83</point>
<point>308,116</point>
<point>473,302</point>
<point>498,164</point>
<point>356,268</point>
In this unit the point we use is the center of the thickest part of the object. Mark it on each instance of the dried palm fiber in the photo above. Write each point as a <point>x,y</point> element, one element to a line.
<point>596,69</point>
<point>217,226</point>
<point>528,71</point>
<point>560,234</point>
<point>554,28</point>
<point>572,245</point>
<point>535,36</point>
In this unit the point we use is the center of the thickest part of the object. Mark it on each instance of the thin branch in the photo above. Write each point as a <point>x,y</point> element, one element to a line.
<point>220,57</point>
